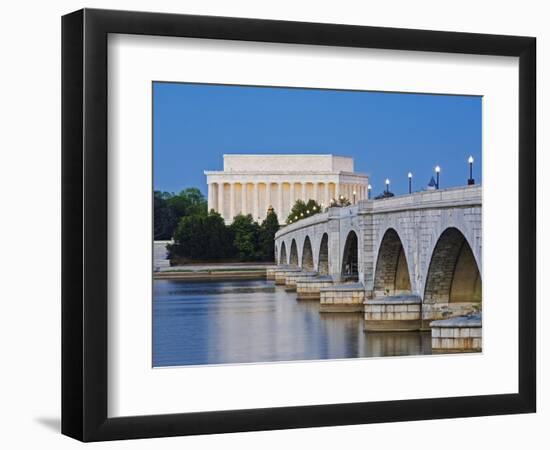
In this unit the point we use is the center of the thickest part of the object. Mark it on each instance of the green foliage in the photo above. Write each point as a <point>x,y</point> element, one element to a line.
<point>269,227</point>
<point>340,202</point>
<point>301,210</point>
<point>169,208</point>
<point>200,237</point>
<point>164,219</point>
<point>246,235</point>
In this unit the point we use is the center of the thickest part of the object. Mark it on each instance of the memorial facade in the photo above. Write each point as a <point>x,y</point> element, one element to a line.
<point>251,184</point>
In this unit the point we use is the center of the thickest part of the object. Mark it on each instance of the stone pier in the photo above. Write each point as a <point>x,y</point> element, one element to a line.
<point>457,334</point>
<point>393,313</point>
<point>442,311</point>
<point>346,297</point>
<point>426,244</point>
<point>310,288</point>
<point>292,278</point>
<point>280,275</point>
<point>270,272</point>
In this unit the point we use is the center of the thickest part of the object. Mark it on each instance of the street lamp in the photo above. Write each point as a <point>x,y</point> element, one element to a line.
<point>369,188</point>
<point>471,163</point>
<point>354,194</point>
<point>437,170</point>
<point>387,185</point>
<point>410,181</point>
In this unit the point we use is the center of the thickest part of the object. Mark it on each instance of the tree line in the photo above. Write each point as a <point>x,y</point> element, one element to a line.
<point>202,235</point>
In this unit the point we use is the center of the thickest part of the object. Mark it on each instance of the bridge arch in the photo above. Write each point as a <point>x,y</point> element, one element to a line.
<point>293,260</point>
<point>307,255</point>
<point>350,258</point>
<point>453,274</point>
<point>282,256</point>
<point>392,275</point>
<point>323,266</point>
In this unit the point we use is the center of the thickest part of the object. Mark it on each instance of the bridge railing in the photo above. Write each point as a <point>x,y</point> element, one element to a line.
<point>462,196</point>
<point>307,222</point>
<point>457,196</point>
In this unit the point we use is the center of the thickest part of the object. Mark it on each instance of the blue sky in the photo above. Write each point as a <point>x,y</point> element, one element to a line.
<point>387,134</point>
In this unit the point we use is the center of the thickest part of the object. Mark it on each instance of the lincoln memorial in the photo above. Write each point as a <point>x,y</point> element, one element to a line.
<point>250,184</point>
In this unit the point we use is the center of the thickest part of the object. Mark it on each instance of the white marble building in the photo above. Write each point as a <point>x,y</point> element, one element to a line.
<point>250,184</point>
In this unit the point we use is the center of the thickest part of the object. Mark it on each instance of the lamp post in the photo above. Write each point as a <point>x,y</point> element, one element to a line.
<point>410,182</point>
<point>437,170</point>
<point>354,194</point>
<point>387,185</point>
<point>471,180</point>
<point>369,188</point>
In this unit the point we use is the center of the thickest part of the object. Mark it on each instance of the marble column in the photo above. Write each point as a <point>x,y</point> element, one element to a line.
<point>211,196</point>
<point>292,198</point>
<point>267,196</point>
<point>280,201</point>
<point>255,201</point>
<point>232,201</point>
<point>244,191</point>
<point>316,192</point>
<point>220,199</point>
<point>327,194</point>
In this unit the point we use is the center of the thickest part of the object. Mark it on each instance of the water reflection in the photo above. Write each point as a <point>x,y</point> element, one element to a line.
<point>254,321</point>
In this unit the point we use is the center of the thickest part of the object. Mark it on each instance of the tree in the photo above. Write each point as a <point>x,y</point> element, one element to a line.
<point>164,219</point>
<point>340,202</point>
<point>269,227</point>
<point>301,210</point>
<point>246,237</point>
<point>199,237</point>
<point>169,208</point>
<point>188,202</point>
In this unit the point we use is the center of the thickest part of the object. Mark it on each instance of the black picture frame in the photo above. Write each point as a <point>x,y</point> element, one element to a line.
<point>84,224</point>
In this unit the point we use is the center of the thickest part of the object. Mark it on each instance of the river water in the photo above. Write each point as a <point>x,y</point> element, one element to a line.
<point>255,321</point>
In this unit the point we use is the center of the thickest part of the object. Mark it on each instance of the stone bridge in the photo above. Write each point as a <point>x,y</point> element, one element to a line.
<point>425,247</point>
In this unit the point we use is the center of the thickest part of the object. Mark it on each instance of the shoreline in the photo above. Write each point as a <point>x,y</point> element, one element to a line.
<point>211,275</point>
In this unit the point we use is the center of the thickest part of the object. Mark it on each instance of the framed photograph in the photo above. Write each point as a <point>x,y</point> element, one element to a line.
<point>272,224</point>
